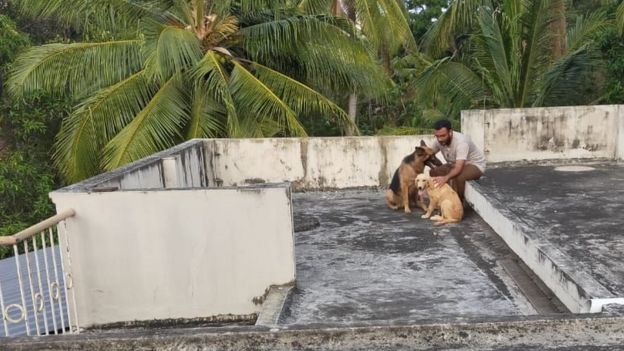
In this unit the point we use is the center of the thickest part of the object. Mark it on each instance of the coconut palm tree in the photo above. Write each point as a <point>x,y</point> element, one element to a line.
<point>504,55</point>
<point>382,23</point>
<point>620,18</point>
<point>172,70</point>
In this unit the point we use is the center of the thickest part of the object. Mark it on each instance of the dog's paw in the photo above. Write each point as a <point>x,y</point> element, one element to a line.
<point>424,216</point>
<point>436,218</point>
<point>407,210</point>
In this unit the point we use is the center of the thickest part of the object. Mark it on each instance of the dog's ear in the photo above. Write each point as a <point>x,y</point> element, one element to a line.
<point>422,143</point>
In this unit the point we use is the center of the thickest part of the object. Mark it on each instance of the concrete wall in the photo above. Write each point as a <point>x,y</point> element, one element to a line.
<point>143,255</point>
<point>620,132</point>
<point>547,133</point>
<point>309,163</point>
<point>178,167</point>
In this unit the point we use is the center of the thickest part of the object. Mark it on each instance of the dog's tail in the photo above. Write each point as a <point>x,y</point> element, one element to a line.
<point>446,220</point>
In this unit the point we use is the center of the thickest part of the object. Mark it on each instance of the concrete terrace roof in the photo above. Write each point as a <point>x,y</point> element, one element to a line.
<point>365,262</point>
<point>574,213</point>
<point>369,278</point>
<point>539,249</point>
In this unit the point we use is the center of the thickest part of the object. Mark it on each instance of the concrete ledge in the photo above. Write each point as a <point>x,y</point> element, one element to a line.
<point>273,306</point>
<point>520,334</point>
<point>580,292</point>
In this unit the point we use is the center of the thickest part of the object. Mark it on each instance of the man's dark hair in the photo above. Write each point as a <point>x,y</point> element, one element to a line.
<point>443,123</point>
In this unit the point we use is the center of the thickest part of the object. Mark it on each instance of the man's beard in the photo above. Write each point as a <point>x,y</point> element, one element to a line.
<point>448,141</point>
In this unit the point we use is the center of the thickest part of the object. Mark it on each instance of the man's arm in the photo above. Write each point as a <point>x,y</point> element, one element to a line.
<point>455,171</point>
<point>462,156</point>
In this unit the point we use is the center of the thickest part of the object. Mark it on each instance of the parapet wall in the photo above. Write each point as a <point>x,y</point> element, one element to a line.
<point>545,133</point>
<point>308,163</point>
<point>140,255</point>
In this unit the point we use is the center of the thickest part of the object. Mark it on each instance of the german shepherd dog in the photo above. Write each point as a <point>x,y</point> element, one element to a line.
<point>403,192</point>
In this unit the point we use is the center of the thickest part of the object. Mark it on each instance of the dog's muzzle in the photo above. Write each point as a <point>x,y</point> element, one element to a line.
<point>433,161</point>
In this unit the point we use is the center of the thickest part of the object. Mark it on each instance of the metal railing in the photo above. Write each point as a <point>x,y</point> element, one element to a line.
<point>36,284</point>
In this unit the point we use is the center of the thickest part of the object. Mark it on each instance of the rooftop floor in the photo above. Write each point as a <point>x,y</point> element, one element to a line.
<point>577,213</point>
<point>365,262</point>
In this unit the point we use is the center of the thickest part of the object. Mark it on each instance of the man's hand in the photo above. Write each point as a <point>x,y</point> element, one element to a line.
<point>439,181</point>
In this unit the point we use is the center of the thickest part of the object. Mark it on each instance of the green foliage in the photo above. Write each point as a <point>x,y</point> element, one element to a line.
<point>27,129</point>
<point>244,69</point>
<point>508,57</point>
<point>422,14</point>
<point>387,130</point>
<point>38,30</point>
<point>11,41</point>
<point>26,173</point>
<point>612,48</point>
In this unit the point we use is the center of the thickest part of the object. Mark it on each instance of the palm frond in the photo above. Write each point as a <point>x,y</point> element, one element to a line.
<point>586,28</point>
<point>103,14</point>
<point>77,69</point>
<point>169,50</point>
<point>266,39</point>
<point>343,69</point>
<point>94,122</point>
<point>314,6</point>
<point>563,83</point>
<point>384,24</point>
<point>458,19</point>
<point>619,18</point>
<point>77,148</point>
<point>207,117</point>
<point>455,82</point>
<point>157,127</point>
<point>254,96</point>
<point>212,77</point>
<point>496,52</point>
<point>255,6</point>
<point>537,47</point>
<point>320,52</point>
<point>299,97</point>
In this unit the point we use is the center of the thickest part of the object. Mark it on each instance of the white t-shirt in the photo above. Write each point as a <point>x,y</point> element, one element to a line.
<point>461,148</point>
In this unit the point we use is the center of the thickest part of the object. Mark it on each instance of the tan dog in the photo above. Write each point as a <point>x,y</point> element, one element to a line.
<point>402,192</point>
<point>442,197</point>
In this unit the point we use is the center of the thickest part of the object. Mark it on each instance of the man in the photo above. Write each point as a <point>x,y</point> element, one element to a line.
<point>464,160</point>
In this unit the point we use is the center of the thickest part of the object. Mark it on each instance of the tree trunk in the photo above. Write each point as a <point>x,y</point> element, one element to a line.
<point>336,8</point>
<point>353,98</point>
<point>352,128</point>
<point>385,57</point>
<point>559,29</point>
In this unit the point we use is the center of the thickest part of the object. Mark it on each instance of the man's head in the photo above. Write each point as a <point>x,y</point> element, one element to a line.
<point>443,131</point>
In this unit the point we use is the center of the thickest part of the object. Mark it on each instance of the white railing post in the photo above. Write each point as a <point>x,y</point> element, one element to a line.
<point>24,314</point>
<point>4,321</point>
<point>47,274</point>
<point>57,289</point>
<point>68,283</point>
<point>30,284</point>
<point>40,293</point>
<point>58,297</point>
